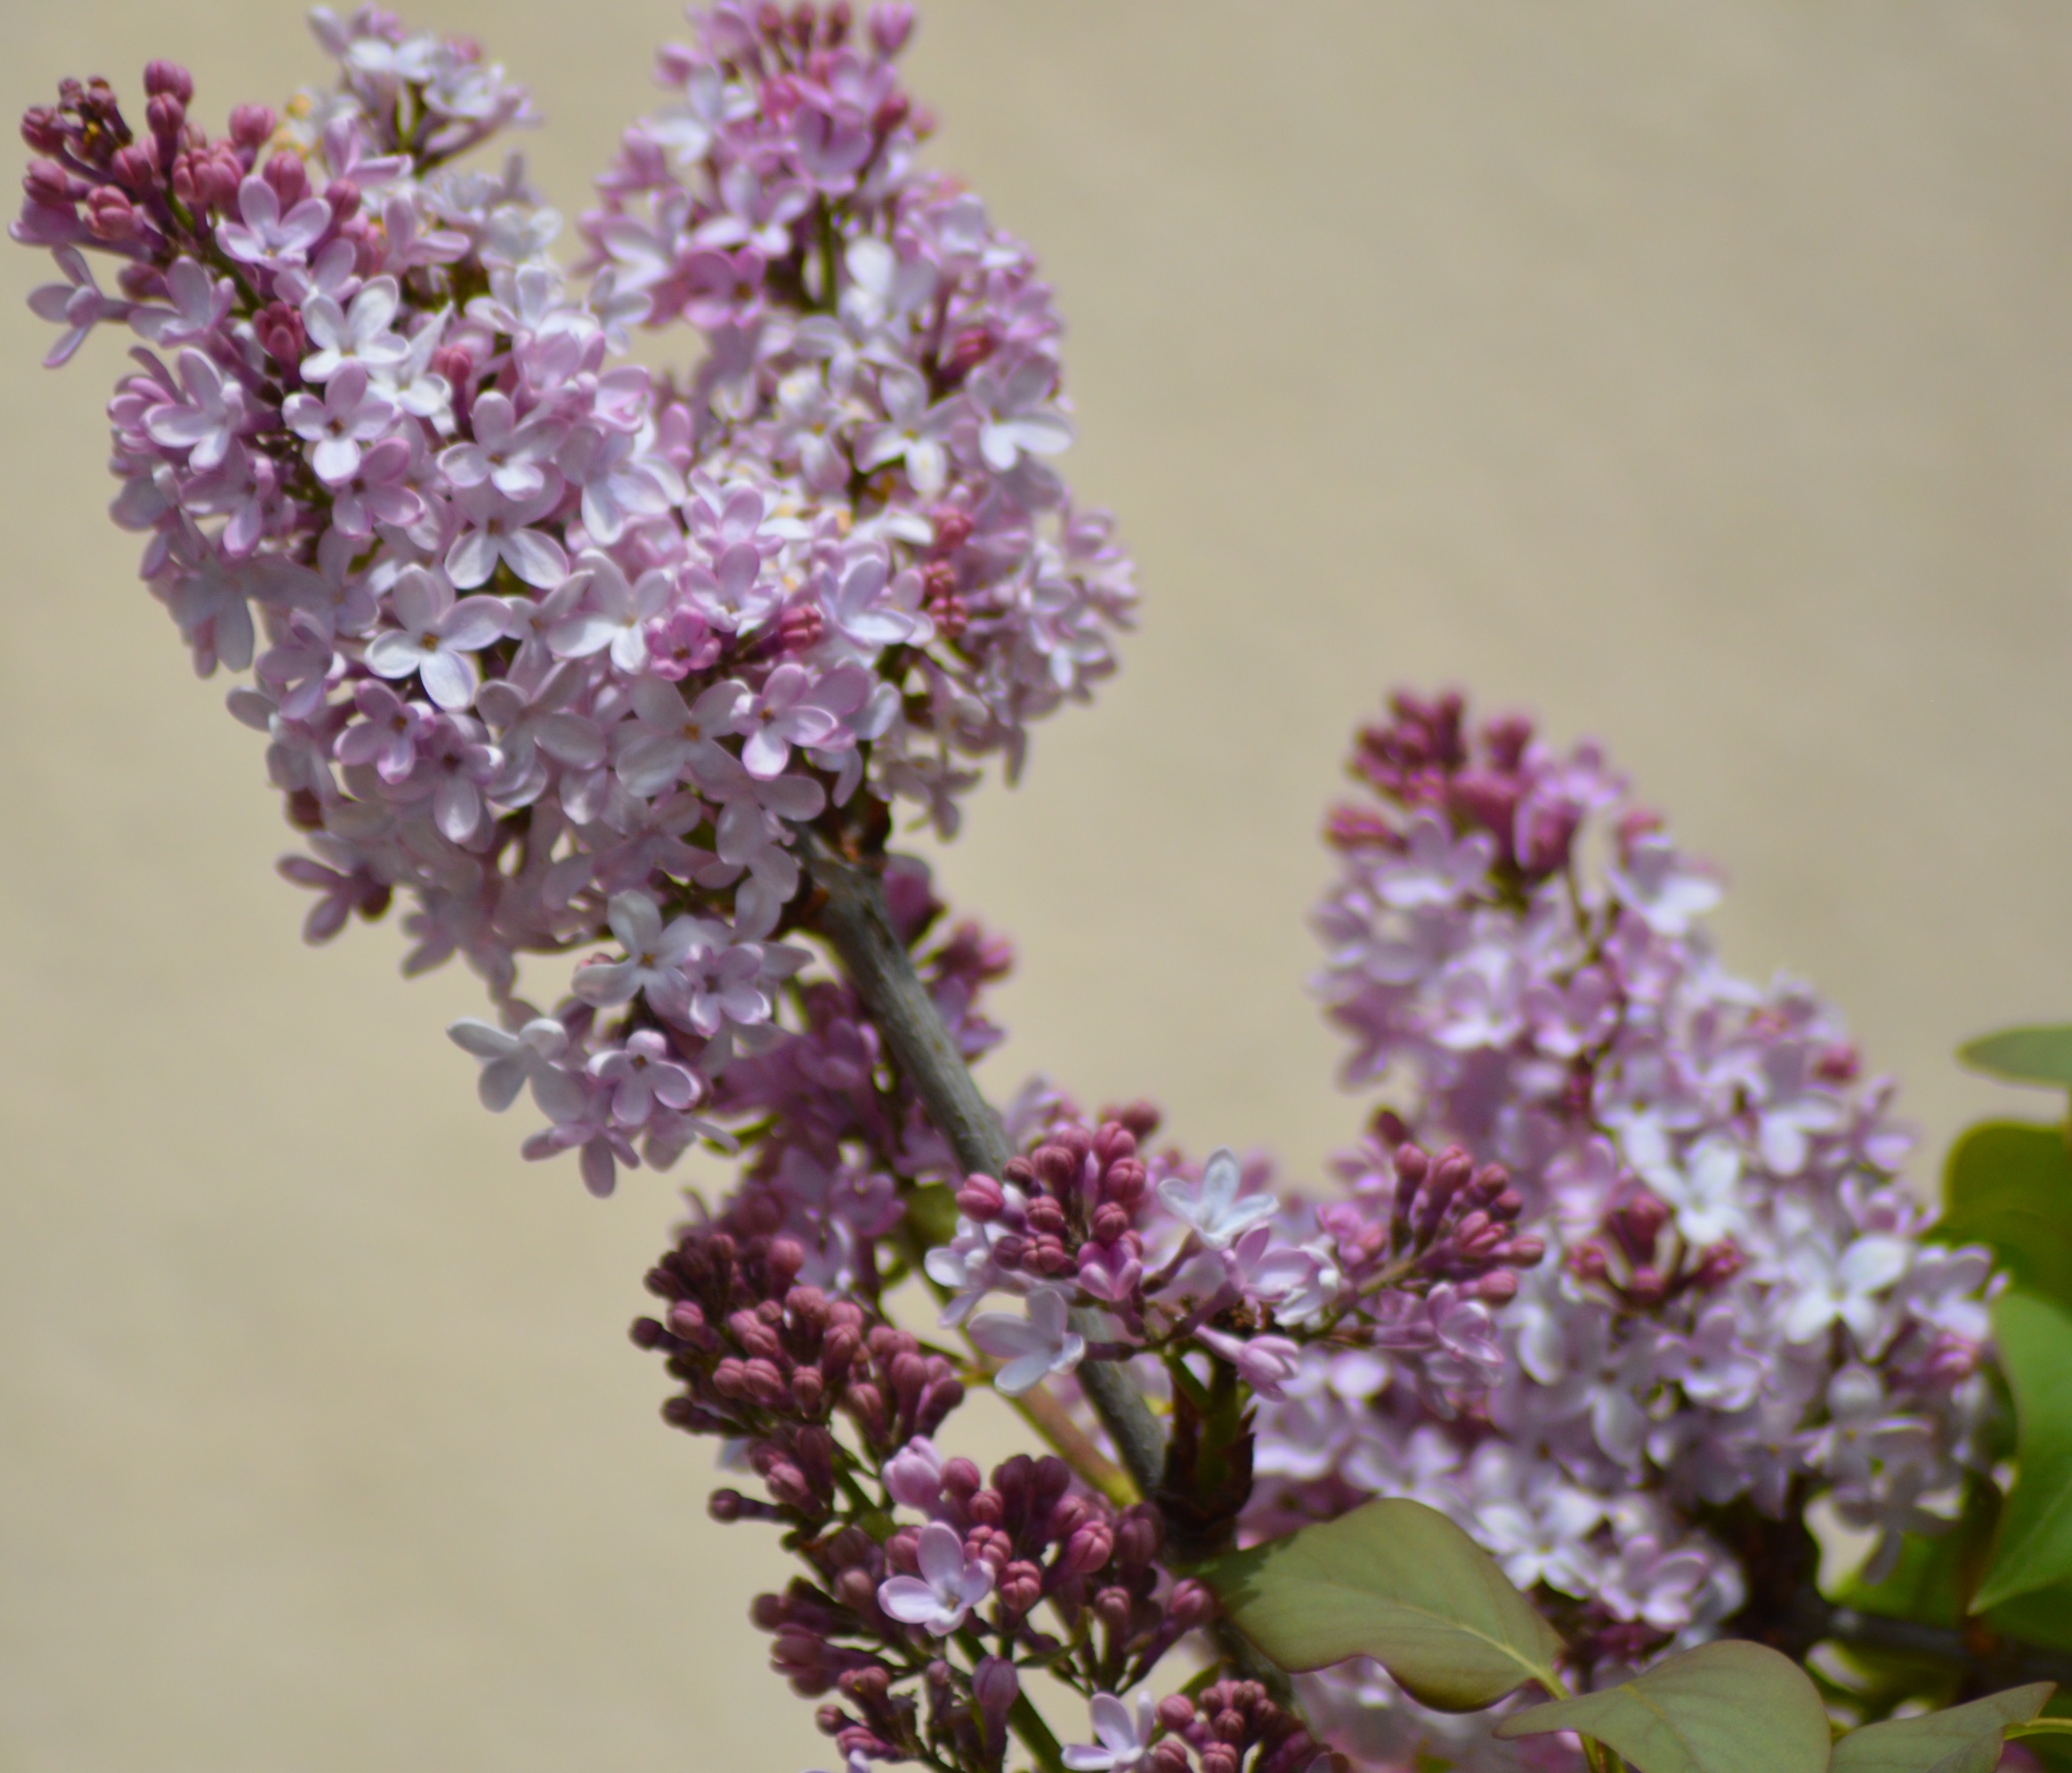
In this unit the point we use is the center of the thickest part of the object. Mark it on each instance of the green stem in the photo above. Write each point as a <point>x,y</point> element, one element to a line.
<point>1027,1722</point>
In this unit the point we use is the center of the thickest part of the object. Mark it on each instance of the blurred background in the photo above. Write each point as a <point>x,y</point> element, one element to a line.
<point>1699,377</point>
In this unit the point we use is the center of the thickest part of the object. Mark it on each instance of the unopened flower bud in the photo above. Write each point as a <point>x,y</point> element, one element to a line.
<point>251,125</point>
<point>169,79</point>
<point>995,1685</point>
<point>891,23</point>
<point>981,1199</point>
<point>1176,1711</point>
<point>110,216</point>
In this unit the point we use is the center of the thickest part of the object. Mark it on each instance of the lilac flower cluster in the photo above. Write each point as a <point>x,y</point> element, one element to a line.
<point>1741,1315</point>
<point>1179,1260</point>
<point>919,1627</point>
<point>564,654</point>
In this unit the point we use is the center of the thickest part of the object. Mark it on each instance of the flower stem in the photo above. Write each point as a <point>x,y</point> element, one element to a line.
<point>855,924</point>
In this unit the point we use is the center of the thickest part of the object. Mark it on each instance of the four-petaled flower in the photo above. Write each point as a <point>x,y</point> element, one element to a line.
<point>1033,1347</point>
<point>1123,1737</point>
<point>949,1586</point>
<point>1212,1206</point>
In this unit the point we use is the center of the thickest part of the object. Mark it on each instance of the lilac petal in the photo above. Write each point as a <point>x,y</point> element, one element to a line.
<point>605,984</point>
<point>910,1600</point>
<point>392,654</point>
<point>456,808</point>
<point>484,1039</point>
<point>570,739</point>
<point>472,559</point>
<point>474,622</point>
<point>534,558</point>
<point>941,1555</point>
<point>501,1083</point>
<point>449,678</point>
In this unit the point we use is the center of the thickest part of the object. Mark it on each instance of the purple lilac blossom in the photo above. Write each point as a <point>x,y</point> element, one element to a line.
<point>551,648</point>
<point>1739,1316</point>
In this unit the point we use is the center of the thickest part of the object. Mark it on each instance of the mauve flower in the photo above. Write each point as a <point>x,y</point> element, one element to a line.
<point>1212,1207</point>
<point>1033,1347</point>
<point>949,1585</point>
<point>437,638</point>
<point>1123,1735</point>
<point>337,425</point>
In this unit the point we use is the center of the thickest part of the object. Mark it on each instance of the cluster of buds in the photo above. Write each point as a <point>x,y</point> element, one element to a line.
<point>1416,1216</point>
<point>1224,1723</point>
<point>1638,1256</point>
<point>769,1361</point>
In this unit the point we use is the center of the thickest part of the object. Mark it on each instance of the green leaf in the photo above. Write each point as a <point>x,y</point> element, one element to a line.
<point>2024,1054</point>
<point>2009,1185</point>
<point>1964,1739</point>
<point>1725,1707</point>
<point>1398,1582</point>
<point>2042,1617</point>
<point>2036,1526</point>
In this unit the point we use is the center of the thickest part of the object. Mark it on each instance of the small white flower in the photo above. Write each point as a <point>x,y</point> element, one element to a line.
<point>1033,1347</point>
<point>1211,1206</point>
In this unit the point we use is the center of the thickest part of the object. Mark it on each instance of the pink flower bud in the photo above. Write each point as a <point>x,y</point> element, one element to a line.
<point>995,1685</point>
<point>890,25</point>
<point>168,79</point>
<point>251,125</point>
<point>1176,1711</point>
<point>981,1199</point>
<point>110,216</point>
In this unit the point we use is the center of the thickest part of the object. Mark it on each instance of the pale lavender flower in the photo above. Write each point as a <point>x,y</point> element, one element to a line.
<point>1121,1732</point>
<point>1033,1347</point>
<point>949,1585</point>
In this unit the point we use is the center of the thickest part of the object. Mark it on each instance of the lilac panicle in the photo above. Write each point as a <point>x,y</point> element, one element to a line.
<point>559,653</point>
<point>1737,1314</point>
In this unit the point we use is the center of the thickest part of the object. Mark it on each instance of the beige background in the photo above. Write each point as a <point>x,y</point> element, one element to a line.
<point>1696,374</point>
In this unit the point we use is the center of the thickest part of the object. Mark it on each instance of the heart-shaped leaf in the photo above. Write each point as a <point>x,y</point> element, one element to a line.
<point>1398,1582</point>
<point>2024,1054</point>
<point>1964,1739</point>
<point>2009,1185</point>
<point>1725,1707</point>
<point>2036,1528</point>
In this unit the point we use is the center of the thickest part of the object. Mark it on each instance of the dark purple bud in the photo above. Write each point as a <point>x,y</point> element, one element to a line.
<point>995,1685</point>
<point>1020,1586</point>
<point>647,1333</point>
<point>166,117</point>
<point>1192,1604</point>
<point>1137,1538</point>
<point>1525,1252</point>
<point>1057,1168</point>
<point>1498,1287</point>
<point>725,1505</point>
<point>1047,1218</point>
<point>1647,1287</point>
<point>290,178</point>
<point>251,125</point>
<point>981,1199</point>
<point>136,169</point>
<point>1176,1711</point>
<point>168,79</point>
<point>855,1590</point>
<point>110,216</point>
<point>1111,1607</point>
<point>1716,1266</point>
<point>1170,1757</point>
<point>1588,1262</point>
<point>1087,1551</point>
<point>962,1479</point>
<point>1109,1223</point>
